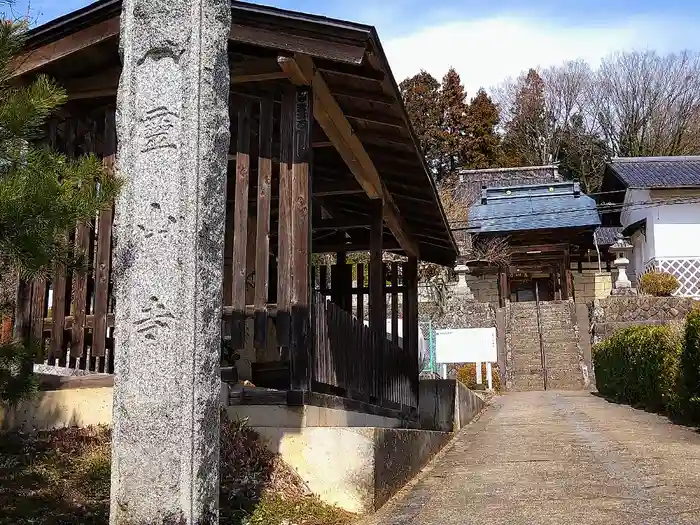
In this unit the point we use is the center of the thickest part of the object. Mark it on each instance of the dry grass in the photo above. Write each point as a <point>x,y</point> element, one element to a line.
<point>63,478</point>
<point>55,478</point>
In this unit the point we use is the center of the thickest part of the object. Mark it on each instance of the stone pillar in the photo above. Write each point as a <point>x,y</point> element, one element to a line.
<point>173,131</point>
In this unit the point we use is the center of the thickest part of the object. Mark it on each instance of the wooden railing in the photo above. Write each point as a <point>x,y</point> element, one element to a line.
<point>354,361</point>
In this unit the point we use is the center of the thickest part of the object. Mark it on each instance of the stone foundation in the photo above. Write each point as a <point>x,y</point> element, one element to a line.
<point>357,469</point>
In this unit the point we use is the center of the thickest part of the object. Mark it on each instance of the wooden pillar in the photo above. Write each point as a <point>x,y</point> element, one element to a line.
<point>240,227</point>
<point>300,348</point>
<point>410,327</point>
<point>262,261</point>
<point>565,292</point>
<point>104,252</point>
<point>285,252</point>
<point>377,297</point>
<point>341,281</point>
<point>503,288</point>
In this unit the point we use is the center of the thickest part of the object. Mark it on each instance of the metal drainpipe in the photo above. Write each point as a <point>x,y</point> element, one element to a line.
<point>595,241</point>
<point>543,357</point>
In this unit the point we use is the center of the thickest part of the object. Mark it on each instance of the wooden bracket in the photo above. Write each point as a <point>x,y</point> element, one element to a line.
<point>301,71</point>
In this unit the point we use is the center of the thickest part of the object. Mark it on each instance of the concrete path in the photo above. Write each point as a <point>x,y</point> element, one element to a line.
<point>540,458</point>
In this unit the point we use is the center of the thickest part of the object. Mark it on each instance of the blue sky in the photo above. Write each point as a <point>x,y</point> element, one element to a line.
<point>487,41</point>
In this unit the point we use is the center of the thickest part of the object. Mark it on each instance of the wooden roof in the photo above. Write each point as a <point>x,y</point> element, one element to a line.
<point>268,47</point>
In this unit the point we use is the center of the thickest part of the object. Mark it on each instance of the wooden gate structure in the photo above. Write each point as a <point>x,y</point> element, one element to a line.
<point>322,160</point>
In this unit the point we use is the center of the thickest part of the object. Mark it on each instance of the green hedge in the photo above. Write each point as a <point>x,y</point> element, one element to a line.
<point>689,394</point>
<point>640,366</point>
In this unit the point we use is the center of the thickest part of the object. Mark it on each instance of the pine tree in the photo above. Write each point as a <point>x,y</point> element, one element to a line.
<point>483,145</point>
<point>421,96</point>
<point>43,195</point>
<point>453,126</point>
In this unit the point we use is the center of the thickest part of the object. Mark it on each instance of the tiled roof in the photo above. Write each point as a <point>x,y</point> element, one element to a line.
<point>657,172</point>
<point>607,235</point>
<point>533,207</point>
<point>471,182</point>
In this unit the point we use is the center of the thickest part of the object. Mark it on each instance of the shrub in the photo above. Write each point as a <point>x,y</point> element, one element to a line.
<point>467,375</point>
<point>658,284</point>
<point>689,391</point>
<point>640,365</point>
<point>16,380</point>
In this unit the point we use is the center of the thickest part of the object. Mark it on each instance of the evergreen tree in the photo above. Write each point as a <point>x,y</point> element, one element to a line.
<point>43,194</point>
<point>453,125</point>
<point>421,96</point>
<point>453,133</point>
<point>483,145</point>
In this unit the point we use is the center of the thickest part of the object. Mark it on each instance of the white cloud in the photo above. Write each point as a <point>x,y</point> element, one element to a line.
<point>486,51</point>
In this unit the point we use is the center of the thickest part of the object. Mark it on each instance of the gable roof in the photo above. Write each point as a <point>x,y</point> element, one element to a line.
<point>349,58</point>
<point>533,207</point>
<point>656,172</point>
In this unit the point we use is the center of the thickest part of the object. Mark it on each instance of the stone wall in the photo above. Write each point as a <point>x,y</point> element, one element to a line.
<point>616,313</point>
<point>456,310</point>
<point>484,288</point>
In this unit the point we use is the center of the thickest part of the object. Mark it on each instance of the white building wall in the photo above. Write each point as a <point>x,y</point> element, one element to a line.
<point>676,230</point>
<point>672,239</point>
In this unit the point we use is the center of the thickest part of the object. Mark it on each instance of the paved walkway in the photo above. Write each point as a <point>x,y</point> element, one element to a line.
<point>558,458</point>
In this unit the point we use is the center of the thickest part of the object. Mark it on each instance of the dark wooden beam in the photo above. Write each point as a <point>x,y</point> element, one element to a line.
<point>334,51</point>
<point>367,96</point>
<point>374,117</point>
<point>324,188</point>
<point>363,73</point>
<point>543,248</point>
<point>37,58</point>
<point>392,139</point>
<point>389,244</point>
<point>341,223</point>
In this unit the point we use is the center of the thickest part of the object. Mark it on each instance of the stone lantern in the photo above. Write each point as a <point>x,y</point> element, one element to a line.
<point>622,249</point>
<point>462,270</point>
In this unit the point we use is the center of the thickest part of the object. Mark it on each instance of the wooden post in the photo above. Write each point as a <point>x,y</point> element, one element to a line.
<point>338,280</point>
<point>240,235</point>
<point>262,261</point>
<point>564,274</point>
<point>557,283</point>
<point>411,280</point>
<point>285,252</point>
<point>300,348</point>
<point>377,297</point>
<point>395,303</point>
<point>503,294</point>
<point>104,246</point>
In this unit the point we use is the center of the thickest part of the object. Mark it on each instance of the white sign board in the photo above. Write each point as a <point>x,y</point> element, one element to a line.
<point>466,345</point>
